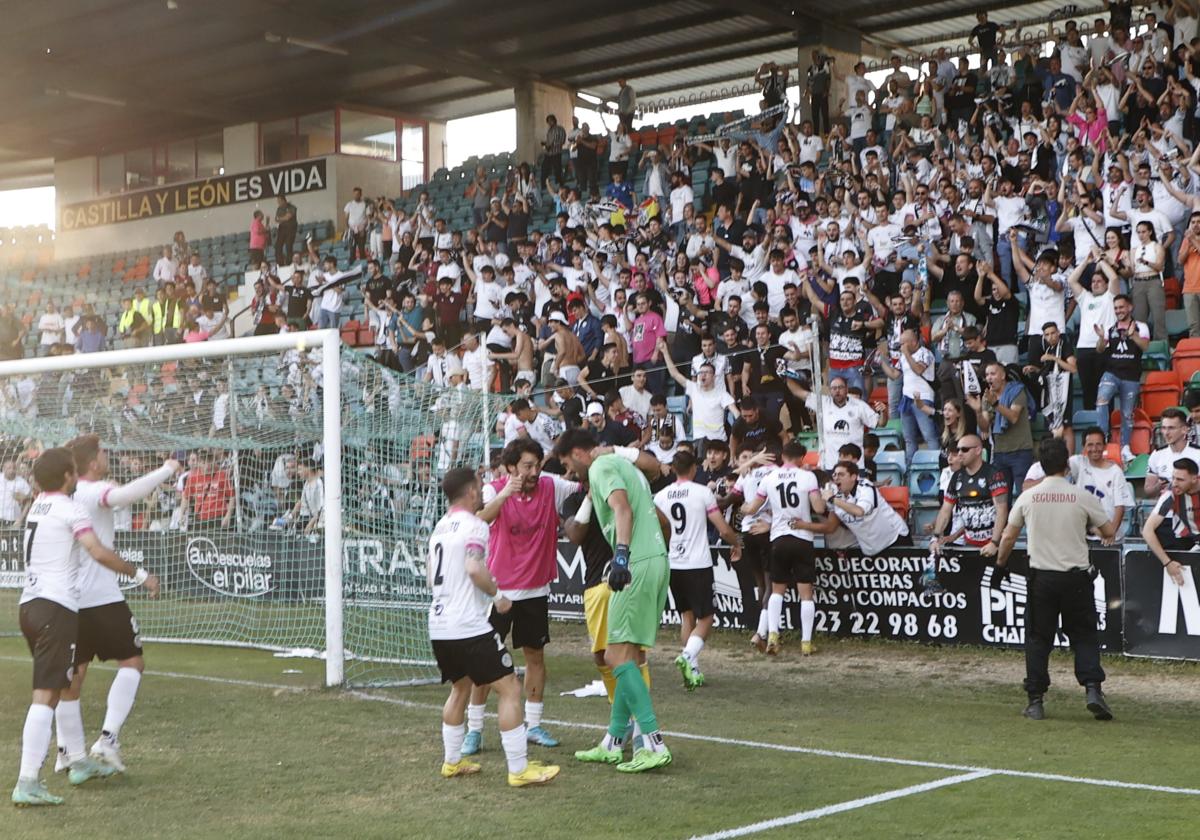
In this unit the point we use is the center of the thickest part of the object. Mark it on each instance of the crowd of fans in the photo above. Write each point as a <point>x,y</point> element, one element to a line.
<point>953,248</point>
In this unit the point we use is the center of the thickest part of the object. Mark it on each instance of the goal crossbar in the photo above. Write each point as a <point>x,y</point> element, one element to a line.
<point>330,343</point>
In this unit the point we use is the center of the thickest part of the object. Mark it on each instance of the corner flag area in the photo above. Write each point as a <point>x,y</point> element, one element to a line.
<point>862,740</point>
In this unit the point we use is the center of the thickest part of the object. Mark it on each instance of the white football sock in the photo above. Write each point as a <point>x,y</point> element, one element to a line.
<point>637,730</point>
<point>654,741</point>
<point>808,612</point>
<point>35,740</point>
<point>69,720</point>
<point>774,612</point>
<point>611,743</point>
<point>120,699</point>
<point>452,741</point>
<point>692,649</point>
<point>533,714</point>
<point>515,749</point>
<point>475,717</point>
<point>762,623</point>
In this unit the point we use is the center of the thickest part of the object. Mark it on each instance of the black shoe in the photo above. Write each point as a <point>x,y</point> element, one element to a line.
<point>1035,710</point>
<point>1096,703</point>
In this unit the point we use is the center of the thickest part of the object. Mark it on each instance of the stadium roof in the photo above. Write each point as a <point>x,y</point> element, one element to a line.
<point>95,76</point>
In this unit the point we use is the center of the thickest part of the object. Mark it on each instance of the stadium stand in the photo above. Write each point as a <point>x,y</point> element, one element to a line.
<point>768,161</point>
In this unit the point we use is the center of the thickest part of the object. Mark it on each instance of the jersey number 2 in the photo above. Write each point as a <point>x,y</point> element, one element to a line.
<point>437,569</point>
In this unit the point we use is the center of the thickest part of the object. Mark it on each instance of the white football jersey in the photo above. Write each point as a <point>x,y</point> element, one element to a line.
<point>460,608</point>
<point>747,486</point>
<point>51,564</point>
<point>788,490</point>
<point>687,505</point>
<point>97,584</point>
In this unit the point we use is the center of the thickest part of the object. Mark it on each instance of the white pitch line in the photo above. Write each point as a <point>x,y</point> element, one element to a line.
<point>689,736</point>
<point>852,805</point>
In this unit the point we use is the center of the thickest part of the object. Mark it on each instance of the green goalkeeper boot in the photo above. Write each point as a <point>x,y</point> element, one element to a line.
<point>31,793</point>
<point>646,759</point>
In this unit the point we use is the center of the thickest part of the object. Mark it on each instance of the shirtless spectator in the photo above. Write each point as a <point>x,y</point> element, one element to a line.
<point>568,352</point>
<point>521,354</point>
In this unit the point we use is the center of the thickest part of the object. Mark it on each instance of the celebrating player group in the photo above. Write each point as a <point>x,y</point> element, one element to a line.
<point>490,581</point>
<point>72,610</point>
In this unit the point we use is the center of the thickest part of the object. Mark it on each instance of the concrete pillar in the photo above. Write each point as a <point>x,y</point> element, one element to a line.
<point>843,66</point>
<point>534,101</point>
<point>437,146</point>
<point>241,147</point>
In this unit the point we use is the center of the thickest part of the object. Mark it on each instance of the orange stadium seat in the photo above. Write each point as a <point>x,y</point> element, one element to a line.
<point>1160,391</point>
<point>1139,441</point>
<point>898,498</point>
<point>1185,360</point>
<point>1173,290</point>
<point>1112,452</point>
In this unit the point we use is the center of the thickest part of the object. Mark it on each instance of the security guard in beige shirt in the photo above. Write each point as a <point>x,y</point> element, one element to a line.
<point>1058,515</point>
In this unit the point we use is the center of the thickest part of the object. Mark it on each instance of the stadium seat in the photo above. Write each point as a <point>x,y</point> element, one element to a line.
<point>1177,323</point>
<point>879,395</point>
<point>1173,291</point>
<point>897,497</point>
<point>1185,361</point>
<point>920,517</point>
<point>1157,356</point>
<point>890,468</point>
<point>1112,451</point>
<point>812,459</point>
<point>1084,418</point>
<point>1136,469</point>
<point>1160,391</point>
<point>923,475</point>
<point>889,434</point>
<point>809,439</point>
<point>1139,441</point>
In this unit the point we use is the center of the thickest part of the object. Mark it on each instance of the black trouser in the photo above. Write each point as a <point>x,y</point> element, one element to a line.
<point>360,244</point>
<point>1070,595</point>
<point>285,236</point>
<point>756,553</point>
<point>552,165</point>
<point>586,174</point>
<point>1091,367</point>
<point>820,113</point>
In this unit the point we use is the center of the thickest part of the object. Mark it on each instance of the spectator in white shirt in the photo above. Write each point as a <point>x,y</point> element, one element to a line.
<point>165,268</point>
<point>681,196</point>
<point>51,328</point>
<point>355,213</point>
<point>15,492</point>
<point>71,325</point>
<point>196,271</point>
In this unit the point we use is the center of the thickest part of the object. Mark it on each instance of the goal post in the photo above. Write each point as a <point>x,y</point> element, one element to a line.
<point>243,559</point>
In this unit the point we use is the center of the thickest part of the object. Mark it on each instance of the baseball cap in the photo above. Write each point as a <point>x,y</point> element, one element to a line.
<point>594,408</point>
<point>558,316</point>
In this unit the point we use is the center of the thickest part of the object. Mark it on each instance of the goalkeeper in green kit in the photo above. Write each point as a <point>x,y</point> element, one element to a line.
<point>639,576</point>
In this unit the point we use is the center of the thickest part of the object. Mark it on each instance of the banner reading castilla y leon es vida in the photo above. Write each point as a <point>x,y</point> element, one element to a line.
<point>289,179</point>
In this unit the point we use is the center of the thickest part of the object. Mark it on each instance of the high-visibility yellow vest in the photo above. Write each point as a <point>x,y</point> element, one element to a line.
<point>160,309</point>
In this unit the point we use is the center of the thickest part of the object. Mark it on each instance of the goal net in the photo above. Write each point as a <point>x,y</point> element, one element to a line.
<point>310,483</point>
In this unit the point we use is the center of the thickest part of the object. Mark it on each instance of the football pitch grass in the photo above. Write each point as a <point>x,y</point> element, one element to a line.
<point>862,740</point>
